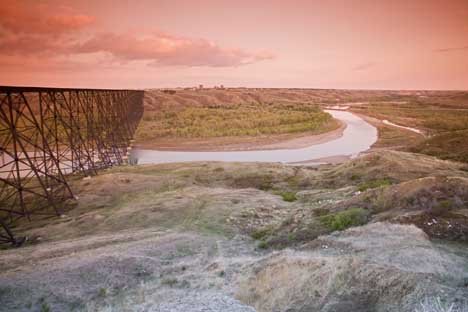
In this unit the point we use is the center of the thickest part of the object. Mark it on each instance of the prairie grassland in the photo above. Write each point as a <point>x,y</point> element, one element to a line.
<point>434,119</point>
<point>444,122</point>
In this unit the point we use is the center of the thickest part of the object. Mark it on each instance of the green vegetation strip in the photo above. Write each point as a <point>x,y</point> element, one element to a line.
<point>234,120</point>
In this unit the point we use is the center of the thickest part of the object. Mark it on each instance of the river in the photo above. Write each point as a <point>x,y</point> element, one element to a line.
<point>358,136</point>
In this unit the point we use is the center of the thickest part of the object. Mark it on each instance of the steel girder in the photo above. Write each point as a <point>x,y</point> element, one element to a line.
<point>49,135</point>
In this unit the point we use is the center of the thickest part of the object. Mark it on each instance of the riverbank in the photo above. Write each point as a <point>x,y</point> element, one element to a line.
<point>390,137</point>
<point>246,143</point>
<point>357,136</point>
<point>435,126</point>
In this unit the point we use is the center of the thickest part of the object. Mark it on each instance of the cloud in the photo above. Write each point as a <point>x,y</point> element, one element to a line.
<point>452,49</point>
<point>35,45</point>
<point>164,49</point>
<point>34,29</point>
<point>36,64</point>
<point>21,17</point>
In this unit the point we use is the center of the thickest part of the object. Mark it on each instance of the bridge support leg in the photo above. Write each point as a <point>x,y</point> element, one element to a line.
<point>7,236</point>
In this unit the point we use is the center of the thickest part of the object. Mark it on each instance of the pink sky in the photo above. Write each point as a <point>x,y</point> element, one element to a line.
<point>365,44</point>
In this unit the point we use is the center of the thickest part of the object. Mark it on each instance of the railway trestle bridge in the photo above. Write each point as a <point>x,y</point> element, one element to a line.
<point>51,135</point>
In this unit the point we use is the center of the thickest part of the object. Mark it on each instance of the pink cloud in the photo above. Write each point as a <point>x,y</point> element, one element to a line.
<point>163,49</point>
<point>33,29</point>
<point>35,45</point>
<point>37,29</point>
<point>39,18</point>
<point>37,64</point>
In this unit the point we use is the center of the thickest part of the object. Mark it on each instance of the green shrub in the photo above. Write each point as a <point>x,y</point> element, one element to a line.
<point>169,282</point>
<point>355,177</point>
<point>266,184</point>
<point>288,196</point>
<point>45,307</point>
<point>291,237</point>
<point>261,233</point>
<point>262,244</point>
<point>374,184</point>
<point>102,292</point>
<point>442,207</point>
<point>446,204</point>
<point>345,219</point>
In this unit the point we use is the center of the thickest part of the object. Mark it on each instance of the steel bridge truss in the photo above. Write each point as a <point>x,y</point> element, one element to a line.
<point>50,135</point>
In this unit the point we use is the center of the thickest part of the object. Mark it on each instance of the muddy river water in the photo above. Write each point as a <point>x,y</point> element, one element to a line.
<point>357,137</point>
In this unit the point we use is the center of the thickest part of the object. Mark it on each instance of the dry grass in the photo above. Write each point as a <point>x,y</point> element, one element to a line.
<point>437,305</point>
<point>228,198</point>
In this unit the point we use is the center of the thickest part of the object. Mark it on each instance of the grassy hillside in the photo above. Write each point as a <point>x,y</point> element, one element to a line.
<point>267,201</point>
<point>214,234</point>
<point>443,119</point>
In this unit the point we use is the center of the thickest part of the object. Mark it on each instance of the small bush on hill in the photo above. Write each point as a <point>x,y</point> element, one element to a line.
<point>262,244</point>
<point>261,233</point>
<point>442,207</point>
<point>345,219</point>
<point>374,184</point>
<point>288,196</point>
